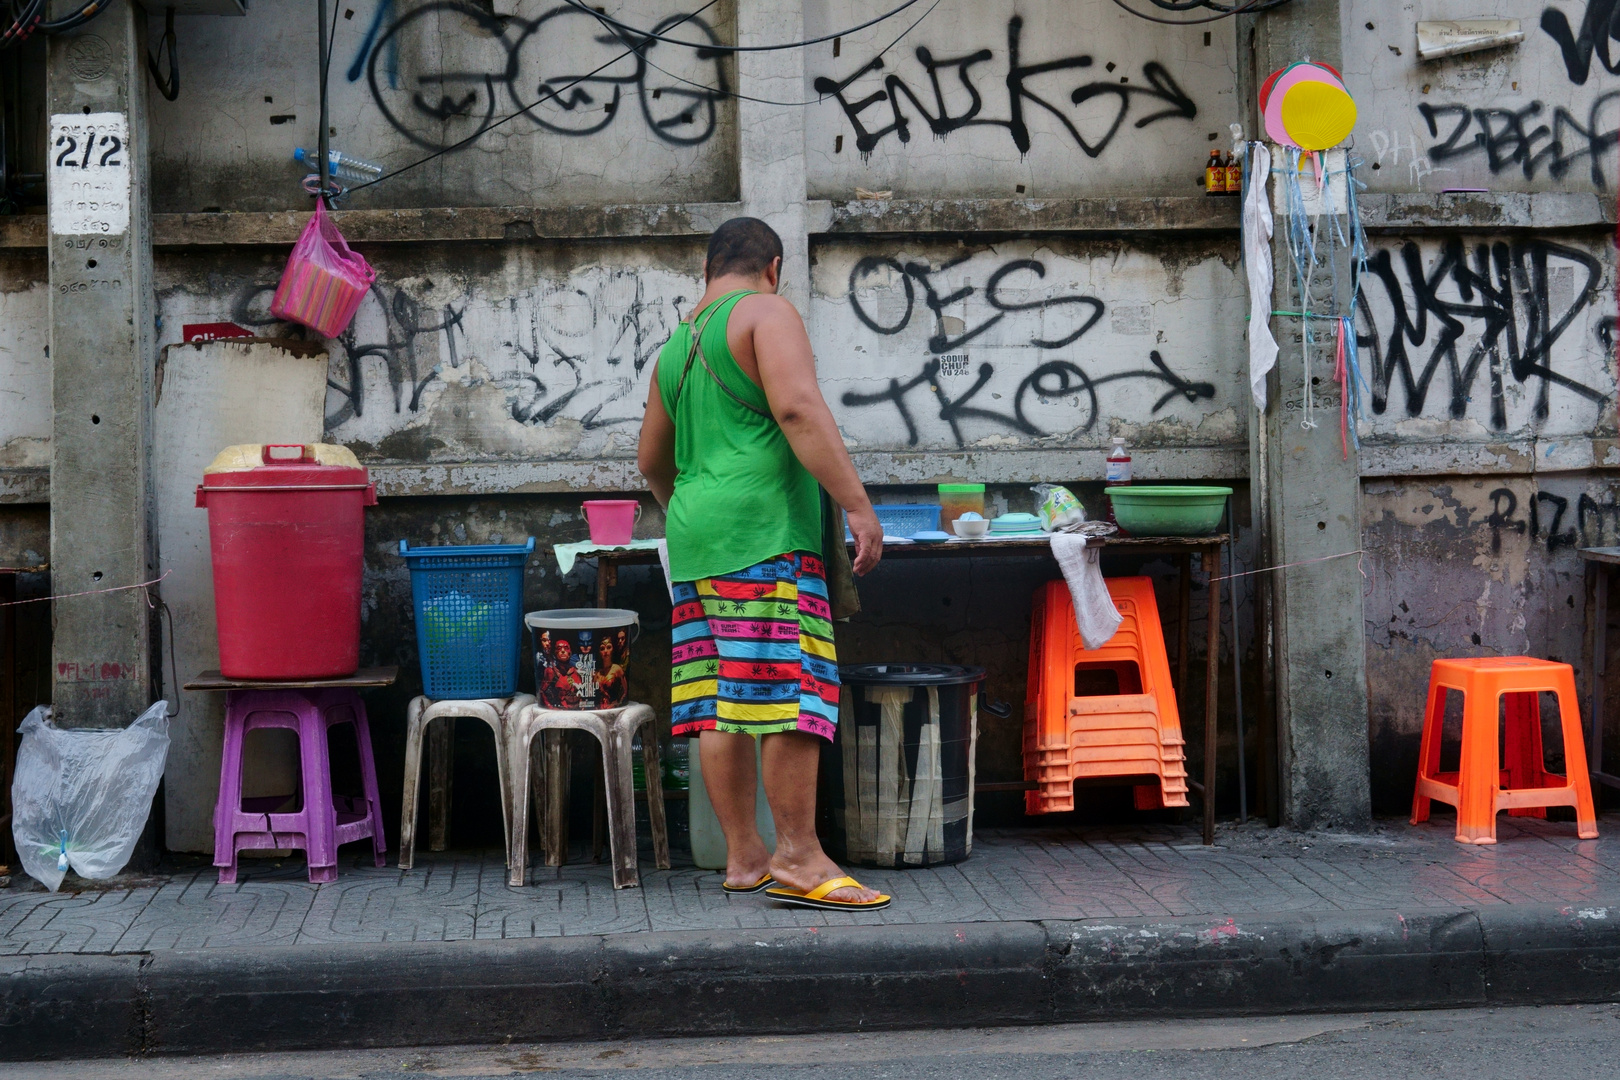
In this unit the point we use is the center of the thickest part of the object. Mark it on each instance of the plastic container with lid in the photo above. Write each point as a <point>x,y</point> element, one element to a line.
<point>286,527</point>
<point>958,499</point>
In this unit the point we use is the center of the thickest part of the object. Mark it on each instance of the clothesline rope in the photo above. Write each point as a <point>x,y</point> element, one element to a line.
<point>88,592</point>
<point>1286,565</point>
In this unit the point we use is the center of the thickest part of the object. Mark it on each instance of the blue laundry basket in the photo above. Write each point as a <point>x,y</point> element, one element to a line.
<point>469,617</point>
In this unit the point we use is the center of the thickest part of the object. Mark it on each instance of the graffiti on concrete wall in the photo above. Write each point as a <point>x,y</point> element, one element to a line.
<point>1497,331</point>
<point>444,72</point>
<point>979,349</point>
<point>559,368</point>
<point>893,107</point>
<point>1007,347</point>
<point>1527,138</point>
<point>1553,520</point>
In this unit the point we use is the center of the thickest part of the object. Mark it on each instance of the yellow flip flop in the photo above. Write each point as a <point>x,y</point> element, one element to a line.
<point>817,897</point>
<point>764,882</point>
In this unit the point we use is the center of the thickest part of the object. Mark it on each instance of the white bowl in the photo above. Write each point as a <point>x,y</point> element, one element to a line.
<point>970,530</point>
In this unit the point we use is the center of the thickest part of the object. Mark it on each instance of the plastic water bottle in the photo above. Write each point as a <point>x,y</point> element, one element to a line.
<point>341,166</point>
<point>1117,470</point>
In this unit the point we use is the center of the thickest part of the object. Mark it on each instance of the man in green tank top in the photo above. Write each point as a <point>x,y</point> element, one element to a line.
<point>736,440</point>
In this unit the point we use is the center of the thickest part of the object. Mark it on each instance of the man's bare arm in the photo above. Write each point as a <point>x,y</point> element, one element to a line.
<point>787,372</point>
<point>656,453</point>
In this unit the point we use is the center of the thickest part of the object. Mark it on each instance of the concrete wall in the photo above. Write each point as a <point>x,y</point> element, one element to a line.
<point>1000,100</point>
<point>1046,273</point>
<point>1487,340</point>
<point>1537,116</point>
<point>411,78</point>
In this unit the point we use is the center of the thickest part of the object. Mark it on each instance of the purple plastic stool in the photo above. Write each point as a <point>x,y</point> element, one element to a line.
<point>326,820</point>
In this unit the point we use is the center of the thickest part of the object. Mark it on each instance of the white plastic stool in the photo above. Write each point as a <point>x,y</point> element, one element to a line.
<point>615,730</point>
<point>420,714</point>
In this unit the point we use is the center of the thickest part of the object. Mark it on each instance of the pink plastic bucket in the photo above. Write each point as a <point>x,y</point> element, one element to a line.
<point>612,521</point>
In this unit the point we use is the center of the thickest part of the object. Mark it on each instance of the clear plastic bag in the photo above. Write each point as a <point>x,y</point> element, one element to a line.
<point>80,797</point>
<point>324,281</point>
<point>1060,511</point>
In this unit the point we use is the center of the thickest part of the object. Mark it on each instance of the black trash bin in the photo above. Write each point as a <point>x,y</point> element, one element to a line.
<point>900,773</point>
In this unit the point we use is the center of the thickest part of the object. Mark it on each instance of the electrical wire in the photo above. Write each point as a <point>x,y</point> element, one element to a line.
<point>703,46</point>
<point>85,13</point>
<point>169,87</point>
<point>31,21</point>
<point>550,95</point>
<point>1249,8</point>
<point>768,101</point>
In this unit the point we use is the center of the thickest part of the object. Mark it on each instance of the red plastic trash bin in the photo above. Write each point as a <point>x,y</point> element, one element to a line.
<point>286,525</point>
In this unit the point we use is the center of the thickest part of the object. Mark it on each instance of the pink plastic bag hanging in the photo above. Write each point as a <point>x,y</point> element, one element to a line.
<point>324,281</point>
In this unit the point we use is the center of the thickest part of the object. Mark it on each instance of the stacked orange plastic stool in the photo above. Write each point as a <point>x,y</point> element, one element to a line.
<point>1132,729</point>
<point>1482,786</point>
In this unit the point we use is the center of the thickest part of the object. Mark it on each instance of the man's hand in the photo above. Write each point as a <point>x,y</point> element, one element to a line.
<point>868,539</point>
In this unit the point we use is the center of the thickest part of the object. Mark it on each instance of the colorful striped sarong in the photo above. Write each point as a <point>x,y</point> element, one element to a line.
<point>752,652</point>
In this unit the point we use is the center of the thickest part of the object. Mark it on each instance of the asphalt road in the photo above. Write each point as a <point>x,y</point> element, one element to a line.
<point>1555,1042</point>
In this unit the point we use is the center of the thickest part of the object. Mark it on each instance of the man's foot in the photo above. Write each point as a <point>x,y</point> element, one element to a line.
<point>746,870</point>
<point>806,876</point>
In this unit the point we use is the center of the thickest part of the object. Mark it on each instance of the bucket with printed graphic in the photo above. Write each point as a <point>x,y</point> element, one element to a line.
<point>582,656</point>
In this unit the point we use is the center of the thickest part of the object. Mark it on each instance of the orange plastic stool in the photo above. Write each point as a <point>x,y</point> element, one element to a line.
<point>1130,728</point>
<point>1482,786</point>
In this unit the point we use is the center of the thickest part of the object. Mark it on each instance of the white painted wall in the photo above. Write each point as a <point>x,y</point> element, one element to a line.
<point>214,395</point>
<point>25,367</point>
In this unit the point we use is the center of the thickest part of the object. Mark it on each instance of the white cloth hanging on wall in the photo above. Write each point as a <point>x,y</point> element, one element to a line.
<point>1257,224</point>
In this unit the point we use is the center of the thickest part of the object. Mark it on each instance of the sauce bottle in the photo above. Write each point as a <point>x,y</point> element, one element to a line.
<point>1234,175</point>
<point>1214,175</point>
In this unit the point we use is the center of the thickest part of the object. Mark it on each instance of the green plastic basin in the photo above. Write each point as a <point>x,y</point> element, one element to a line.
<point>1168,511</point>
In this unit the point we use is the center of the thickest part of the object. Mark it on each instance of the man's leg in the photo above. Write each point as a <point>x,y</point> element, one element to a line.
<point>791,759</point>
<point>730,778</point>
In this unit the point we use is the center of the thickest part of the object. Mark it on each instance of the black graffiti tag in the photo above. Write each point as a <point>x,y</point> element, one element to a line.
<point>1503,292</point>
<point>545,68</point>
<point>1595,522</point>
<point>1511,138</point>
<point>1053,380</point>
<point>1600,27</point>
<point>940,342</point>
<point>1021,96</point>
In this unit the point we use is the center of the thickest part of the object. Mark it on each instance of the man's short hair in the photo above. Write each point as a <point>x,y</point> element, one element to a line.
<point>743,245</point>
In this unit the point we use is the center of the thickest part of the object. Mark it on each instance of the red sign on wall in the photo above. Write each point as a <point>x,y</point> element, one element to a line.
<point>212,331</point>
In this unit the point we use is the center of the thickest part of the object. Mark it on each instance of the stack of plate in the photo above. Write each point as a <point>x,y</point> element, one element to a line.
<point>1015,525</point>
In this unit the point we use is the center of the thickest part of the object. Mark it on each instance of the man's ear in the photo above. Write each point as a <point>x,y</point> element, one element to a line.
<point>773,272</point>
<point>705,268</point>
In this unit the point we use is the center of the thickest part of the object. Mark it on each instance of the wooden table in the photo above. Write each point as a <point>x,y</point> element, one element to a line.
<point>1183,548</point>
<point>1599,561</point>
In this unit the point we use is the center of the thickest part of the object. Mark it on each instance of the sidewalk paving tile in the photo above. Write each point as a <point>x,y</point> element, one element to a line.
<point>1053,872</point>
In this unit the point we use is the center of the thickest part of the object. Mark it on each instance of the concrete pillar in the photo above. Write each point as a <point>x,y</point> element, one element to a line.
<point>101,358</point>
<point>771,137</point>
<point>1308,506</point>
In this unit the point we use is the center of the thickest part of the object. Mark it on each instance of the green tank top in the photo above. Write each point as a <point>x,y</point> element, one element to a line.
<point>741,495</point>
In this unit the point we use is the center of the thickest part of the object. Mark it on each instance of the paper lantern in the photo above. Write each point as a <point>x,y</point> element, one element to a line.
<point>1306,105</point>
